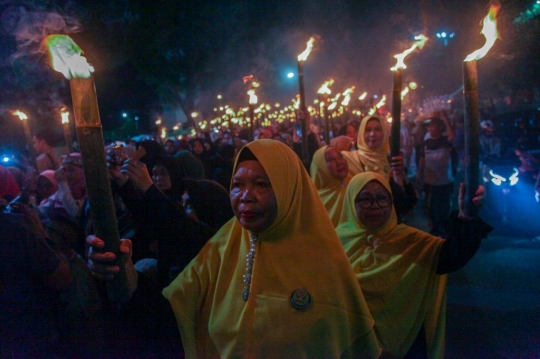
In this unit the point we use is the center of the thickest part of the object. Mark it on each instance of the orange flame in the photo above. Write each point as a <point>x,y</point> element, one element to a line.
<point>419,43</point>
<point>22,116</point>
<point>325,88</point>
<point>362,96</point>
<point>489,30</point>
<point>65,115</point>
<point>252,97</point>
<point>304,55</point>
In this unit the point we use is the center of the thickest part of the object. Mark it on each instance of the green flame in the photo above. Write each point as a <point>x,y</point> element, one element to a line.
<point>66,57</point>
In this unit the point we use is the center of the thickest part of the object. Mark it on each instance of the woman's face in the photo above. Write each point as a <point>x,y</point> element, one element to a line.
<point>161,178</point>
<point>198,147</point>
<point>337,165</point>
<point>373,136</point>
<point>252,198</point>
<point>379,203</point>
<point>351,132</point>
<point>44,187</point>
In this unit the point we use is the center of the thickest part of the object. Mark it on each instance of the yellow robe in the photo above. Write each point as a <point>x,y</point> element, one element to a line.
<point>300,250</point>
<point>396,268</point>
<point>330,189</point>
<point>367,159</point>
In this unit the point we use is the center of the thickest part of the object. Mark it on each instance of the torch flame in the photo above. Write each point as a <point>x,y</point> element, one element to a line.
<point>296,102</point>
<point>404,92</point>
<point>22,115</point>
<point>65,115</point>
<point>382,102</point>
<point>419,43</point>
<point>489,30</point>
<point>252,97</point>
<point>65,57</point>
<point>325,90</point>
<point>304,55</point>
<point>362,96</point>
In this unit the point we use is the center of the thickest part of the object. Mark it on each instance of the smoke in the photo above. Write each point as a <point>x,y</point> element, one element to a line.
<point>30,27</point>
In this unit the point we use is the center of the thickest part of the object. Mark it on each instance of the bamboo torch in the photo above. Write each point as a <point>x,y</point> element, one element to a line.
<point>323,93</point>
<point>65,57</point>
<point>301,59</point>
<point>470,97</point>
<point>27,134</point>
<point>396,93</point>
<point>67,130</point>
<point>252,102</point>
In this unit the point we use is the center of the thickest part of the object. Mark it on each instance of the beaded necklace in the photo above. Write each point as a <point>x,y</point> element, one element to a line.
<point>250,258</point>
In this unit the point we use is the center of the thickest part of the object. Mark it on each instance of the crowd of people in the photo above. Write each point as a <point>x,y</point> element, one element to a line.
<point>254,251</point>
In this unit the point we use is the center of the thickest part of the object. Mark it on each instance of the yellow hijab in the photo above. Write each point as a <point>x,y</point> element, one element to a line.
<point>300,250</point>
<point>330,189</point>
<point>396,268</point>
<point>366,159</point>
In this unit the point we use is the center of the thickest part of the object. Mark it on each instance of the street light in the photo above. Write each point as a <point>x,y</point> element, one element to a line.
<point>444,36</point>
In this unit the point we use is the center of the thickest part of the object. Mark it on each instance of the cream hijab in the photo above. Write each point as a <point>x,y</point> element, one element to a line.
<point>331,190</point>
<point>396,268</point>
<point>366,159</point>
<point>300,250</point>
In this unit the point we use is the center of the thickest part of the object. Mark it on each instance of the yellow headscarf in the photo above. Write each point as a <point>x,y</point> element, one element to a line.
<point>366,159</point>
<point>300,250</point>
<point>330,189</point>
<point>396,268</point>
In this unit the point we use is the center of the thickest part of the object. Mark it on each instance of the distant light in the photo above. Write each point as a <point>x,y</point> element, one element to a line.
<point>290,75</point>
<point>124,115</point>
<point>443,35</point>
<point>452,35</point>
<point>375,96</point>
<point>194,114</point>
<point>219,97</point>
<point>5,159</point>
<point>413,85</point>
<point>439,35</point>
<point>136,118</point>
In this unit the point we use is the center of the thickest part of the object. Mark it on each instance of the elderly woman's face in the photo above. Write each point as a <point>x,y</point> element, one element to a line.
<point>161,177</point>
<point>373,135</point>
<point>337,165</point>
<point>252,198</point>
<point>373,205</point>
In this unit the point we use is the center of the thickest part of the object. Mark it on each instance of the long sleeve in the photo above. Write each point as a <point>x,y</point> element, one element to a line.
<point>464,238</point>
<point>404,198</point>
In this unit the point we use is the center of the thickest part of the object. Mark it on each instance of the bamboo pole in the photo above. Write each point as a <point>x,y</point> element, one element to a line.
<point>395,132</point>
<point>472,135</point>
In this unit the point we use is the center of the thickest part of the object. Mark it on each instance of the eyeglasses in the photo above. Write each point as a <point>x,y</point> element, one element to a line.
<point>367,202</point>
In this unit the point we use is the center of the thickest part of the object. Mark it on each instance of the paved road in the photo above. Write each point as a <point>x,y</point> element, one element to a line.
<point>493,306</point>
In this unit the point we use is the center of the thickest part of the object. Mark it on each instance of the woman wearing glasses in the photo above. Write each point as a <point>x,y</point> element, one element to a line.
<point>401,269</point>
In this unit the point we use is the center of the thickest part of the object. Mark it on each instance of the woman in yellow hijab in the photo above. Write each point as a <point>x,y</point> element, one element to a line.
<point>329,172</point>
<point>373,156</point>
<point>274,281</point>
<point>401,269</point>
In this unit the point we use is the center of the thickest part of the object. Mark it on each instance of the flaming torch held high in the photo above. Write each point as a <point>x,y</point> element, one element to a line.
<point>27,134</point>
<point>67,130</point>
<point>470,97</point>
<point>301,59</point>
<point>65,57</point>
<point>323,93</point>
<point>396,93</point>
<point>252,102</point>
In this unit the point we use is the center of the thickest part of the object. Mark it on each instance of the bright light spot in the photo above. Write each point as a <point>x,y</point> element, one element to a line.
<point>5,159</point>
<point>219,97</point>
<point>375,96</point>
<point>443,35</point>
<point>136,118</point>
<point>124,115</point>
<point>290,75</point>
<point>194,114</point>
<point>439,35</point>
<point>413,85</point>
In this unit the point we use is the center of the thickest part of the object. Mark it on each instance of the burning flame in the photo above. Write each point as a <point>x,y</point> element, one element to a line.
<point>252,97</point>
<point>382,102</point>
<point>419,43</point>
<point>304,55</point>
<point>489,30</point>
<point>362,96</point>
<point>163,132</point>
<point>404,92</point>
<point>65,115</point>
<point>296,102</point>
<point>22,115</point>
<point>325,90</point>
<point>65,57</point>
